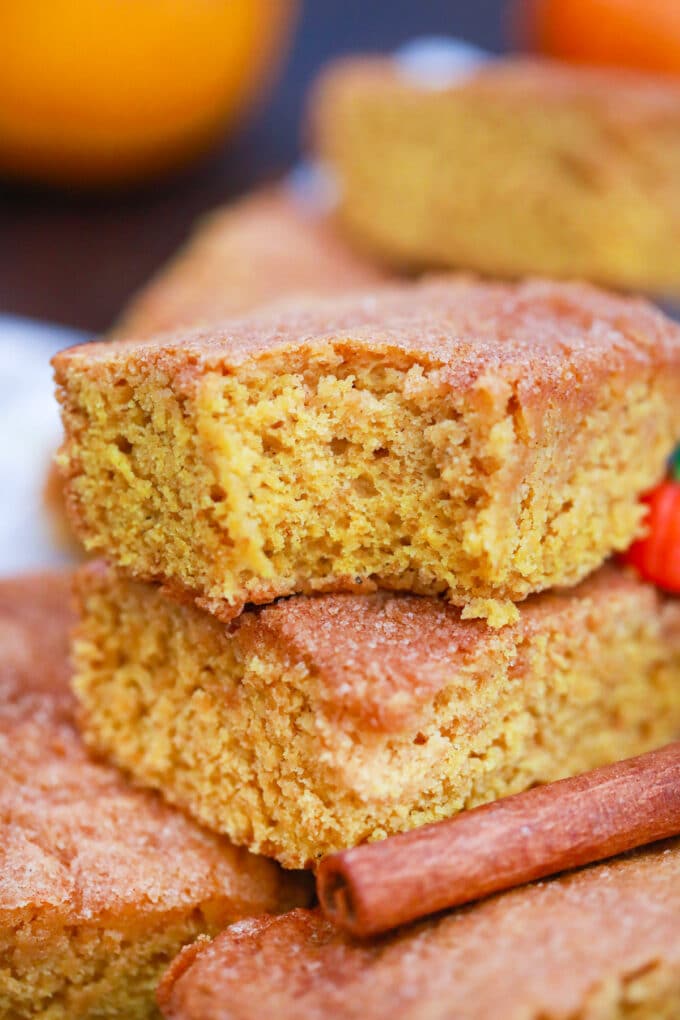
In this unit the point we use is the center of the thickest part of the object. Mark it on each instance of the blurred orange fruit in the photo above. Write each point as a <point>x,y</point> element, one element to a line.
<point>642,34</point>
<point>104,91</point>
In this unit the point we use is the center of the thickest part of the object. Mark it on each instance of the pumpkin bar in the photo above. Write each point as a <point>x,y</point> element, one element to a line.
<point>100,884</point>
<point>269,245</point>
<point>317,723</point>
<point>517,166</point>
<point>599,944</point>
<point>449,437</point>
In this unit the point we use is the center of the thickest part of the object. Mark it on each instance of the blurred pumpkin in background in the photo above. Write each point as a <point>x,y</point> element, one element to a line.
<point>96,92</point>
<point>643,34</point>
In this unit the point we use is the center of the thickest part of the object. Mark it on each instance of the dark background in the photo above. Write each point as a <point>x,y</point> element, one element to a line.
<point>74,259</point>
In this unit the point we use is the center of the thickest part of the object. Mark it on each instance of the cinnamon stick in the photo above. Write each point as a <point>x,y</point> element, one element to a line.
<point>378,886</point>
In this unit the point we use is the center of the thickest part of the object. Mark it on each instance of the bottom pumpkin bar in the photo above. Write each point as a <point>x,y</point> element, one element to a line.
<point>599,944</point>
<point>317,723</point>
<point>100,884</point>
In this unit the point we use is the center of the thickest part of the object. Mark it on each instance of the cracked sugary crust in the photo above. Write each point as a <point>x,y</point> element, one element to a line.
<point>80,845</point>
<point>599,944</point>
<point>540,335</point>
<point>380,656</point>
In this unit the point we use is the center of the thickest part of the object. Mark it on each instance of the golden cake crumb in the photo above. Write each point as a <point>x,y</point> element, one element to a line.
<point>267,246</point>
<point>100,884</point>
<point>451,437</point>
<point>599,944</point>
<point>317,723</point>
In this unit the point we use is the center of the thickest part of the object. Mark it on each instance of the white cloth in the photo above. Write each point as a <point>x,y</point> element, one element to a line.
<point>29,435</point>
<point>434,63</point>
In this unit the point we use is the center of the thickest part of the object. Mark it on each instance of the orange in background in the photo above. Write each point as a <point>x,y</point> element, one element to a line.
<point>108,91</point>
<point>642,34</point>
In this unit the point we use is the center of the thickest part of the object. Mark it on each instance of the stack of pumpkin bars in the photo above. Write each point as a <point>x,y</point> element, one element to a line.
<point>356,577</point>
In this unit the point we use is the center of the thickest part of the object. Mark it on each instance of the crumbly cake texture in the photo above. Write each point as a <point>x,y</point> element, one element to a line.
<point>482,441</point>
<point>269,246</point>
<point>518,167</point>
<point>265,247</point>
<point>598,944</point>
<point>321,722</point>
<point>100,884</point>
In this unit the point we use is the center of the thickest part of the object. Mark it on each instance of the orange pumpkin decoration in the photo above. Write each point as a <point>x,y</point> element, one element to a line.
<point>656,557</point>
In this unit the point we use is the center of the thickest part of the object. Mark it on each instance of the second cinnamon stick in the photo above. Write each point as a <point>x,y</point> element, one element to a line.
<point>373,888</point>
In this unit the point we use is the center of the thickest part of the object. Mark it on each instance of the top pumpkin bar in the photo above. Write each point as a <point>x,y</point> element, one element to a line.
<point>515,166</point>
<point>481,441</point>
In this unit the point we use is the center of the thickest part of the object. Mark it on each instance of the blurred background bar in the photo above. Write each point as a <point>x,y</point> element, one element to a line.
<point>74,258</point>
